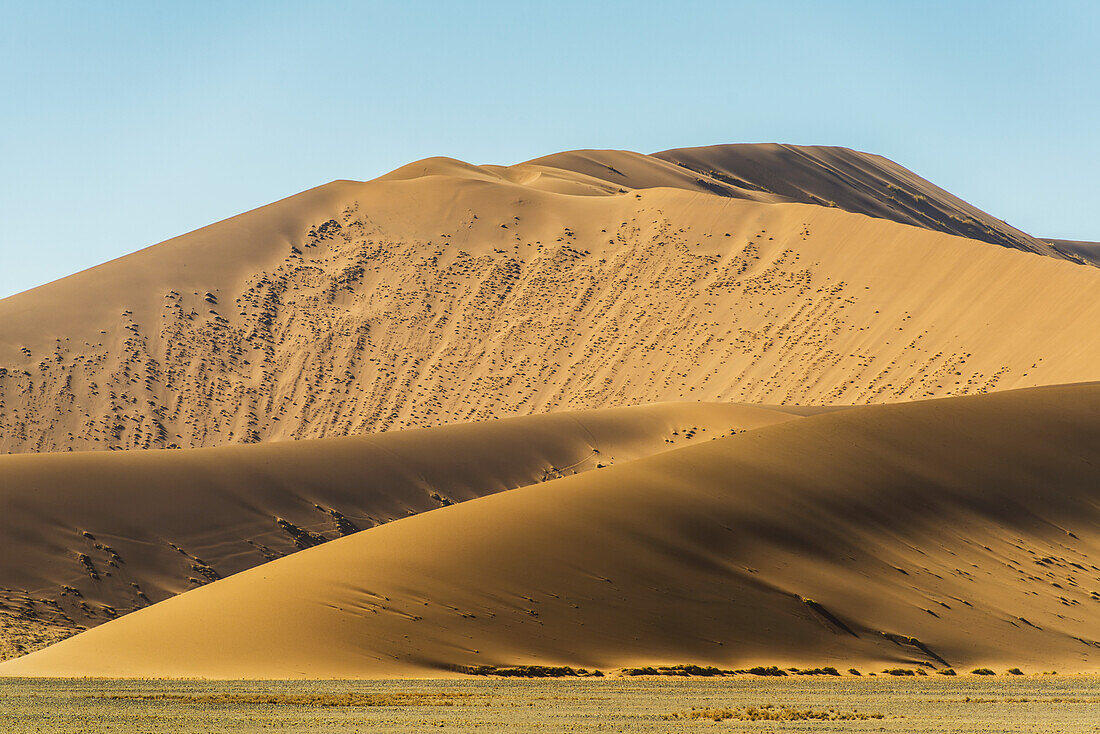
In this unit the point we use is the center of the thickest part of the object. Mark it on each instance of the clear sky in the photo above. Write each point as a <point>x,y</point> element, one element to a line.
<point>125,123</point>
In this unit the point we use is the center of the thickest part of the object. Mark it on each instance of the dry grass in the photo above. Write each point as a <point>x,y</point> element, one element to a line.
<point>1023,699</point>
<point>23,633</point>
<point>319,700</point>
<point>769,712</point>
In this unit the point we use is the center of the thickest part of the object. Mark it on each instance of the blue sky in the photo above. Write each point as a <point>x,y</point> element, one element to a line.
<point>126,123</point>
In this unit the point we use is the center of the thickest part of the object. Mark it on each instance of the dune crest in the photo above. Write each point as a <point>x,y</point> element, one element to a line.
<point>1085,251</point>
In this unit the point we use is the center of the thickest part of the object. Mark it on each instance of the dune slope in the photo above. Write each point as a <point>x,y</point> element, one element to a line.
<point>960,531</point>
<point>446,292</point>
<point>86,537</point>
<point>827,176</point>
<point>1078,249</point>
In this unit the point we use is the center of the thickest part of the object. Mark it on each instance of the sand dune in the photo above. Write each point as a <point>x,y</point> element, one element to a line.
<point>960,531</point>
<point>1085,251</point>
<point>447,292</point>
<point>827,176</point>
<point>954,531</point>
<point>87,537</point>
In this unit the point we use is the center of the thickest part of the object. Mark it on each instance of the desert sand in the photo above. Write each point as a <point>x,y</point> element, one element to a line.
<point>951,532</point>
<point>1088,252</point>
<point>731,406</point>
<point>86,537</point>
<point>446,292</point>
<point>919,705</point>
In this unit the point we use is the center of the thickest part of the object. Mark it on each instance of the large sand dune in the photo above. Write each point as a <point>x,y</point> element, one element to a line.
<point>447,292</point>
<point>581,296</point>
<point>960,531</point>
<point>86,537</point>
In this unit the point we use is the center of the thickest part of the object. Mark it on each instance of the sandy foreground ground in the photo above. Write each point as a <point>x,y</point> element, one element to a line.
<point>1035,704</point>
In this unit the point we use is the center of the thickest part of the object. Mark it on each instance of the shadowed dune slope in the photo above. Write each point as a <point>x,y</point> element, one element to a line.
<point>1087,251</point>
<point>827,176</point>
<point>446,292</point>
<point>960,531</point>
<point>86,537</point>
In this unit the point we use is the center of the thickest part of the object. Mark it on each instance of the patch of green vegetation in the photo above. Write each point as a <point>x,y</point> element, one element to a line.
<point>1015,671</point>
<point>817,671</point>
<point>982,671</point>
<point>899,671</point>
<point>527,671</point>
<point>946,671</point>
<point>681,670</point>
<point>709,671</point>
<point>765,671</point>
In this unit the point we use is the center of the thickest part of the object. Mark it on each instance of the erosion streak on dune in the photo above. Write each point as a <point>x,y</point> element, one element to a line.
<point>86,537</point>
<point>961,530</point>
<point>445,292</point>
